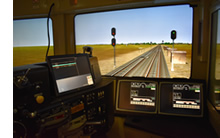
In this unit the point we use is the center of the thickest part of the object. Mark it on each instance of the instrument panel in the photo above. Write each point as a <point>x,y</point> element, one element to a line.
<point>179,97</point>
<point>40,112</point>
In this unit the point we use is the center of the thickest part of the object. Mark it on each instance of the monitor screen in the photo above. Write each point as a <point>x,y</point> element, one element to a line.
<point>70,72</point>
<point>186,96</point>
<point>136,96</point>
<point>181,98</point>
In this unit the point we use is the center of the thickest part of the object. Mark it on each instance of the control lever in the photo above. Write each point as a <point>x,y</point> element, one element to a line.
<point>21,81</point>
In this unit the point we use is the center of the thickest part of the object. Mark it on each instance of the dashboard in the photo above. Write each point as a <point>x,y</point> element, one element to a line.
<point>40,109</point>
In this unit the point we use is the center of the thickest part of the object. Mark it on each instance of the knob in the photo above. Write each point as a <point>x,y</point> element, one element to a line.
<point>40,99</point>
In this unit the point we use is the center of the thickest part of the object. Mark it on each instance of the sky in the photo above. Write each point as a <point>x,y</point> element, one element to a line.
<point>135,26</point>
<point>140,25</point>
<point>31,32</point>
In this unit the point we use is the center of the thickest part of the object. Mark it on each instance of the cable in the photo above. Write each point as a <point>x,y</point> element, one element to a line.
<point>23,126</point>
<point>48,33</point>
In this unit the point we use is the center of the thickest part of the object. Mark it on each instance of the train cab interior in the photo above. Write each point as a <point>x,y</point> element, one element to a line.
<point>116,68</point>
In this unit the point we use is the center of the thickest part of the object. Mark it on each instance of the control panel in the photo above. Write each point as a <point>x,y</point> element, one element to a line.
<point>40,113</point>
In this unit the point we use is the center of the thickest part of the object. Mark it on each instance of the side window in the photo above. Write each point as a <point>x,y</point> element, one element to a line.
<point>30,41</point>
<point>214,77</point>
<point>217,62</point>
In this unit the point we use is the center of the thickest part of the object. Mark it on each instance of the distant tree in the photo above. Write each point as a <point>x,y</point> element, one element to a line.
<point>166,43</point>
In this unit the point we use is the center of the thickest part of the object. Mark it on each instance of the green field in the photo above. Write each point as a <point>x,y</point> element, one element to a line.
<point>107,51</point>
<point>183,47</point>
<point>29,55</point>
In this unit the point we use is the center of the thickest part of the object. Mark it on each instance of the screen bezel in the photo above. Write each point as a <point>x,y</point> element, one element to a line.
<point>73,91</point>
<point>133,111</point>
<point>182,111</point>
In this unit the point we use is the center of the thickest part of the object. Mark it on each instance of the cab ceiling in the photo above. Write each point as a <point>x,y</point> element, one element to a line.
<point>40,8</point>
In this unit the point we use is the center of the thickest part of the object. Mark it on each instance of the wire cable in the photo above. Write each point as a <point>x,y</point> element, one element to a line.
<point>48,31</point>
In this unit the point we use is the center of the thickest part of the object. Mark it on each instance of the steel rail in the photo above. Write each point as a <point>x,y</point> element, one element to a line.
<point>159,67</point>
<point>164,71</point>
<point>126,65</point>
<point>150,67</point>
<point>158,64</point>
<point>140,70</point>
<point>131,67</point>
<point>149,64</point>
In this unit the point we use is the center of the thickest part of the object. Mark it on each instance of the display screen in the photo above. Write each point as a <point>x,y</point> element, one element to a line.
<point>136,96</point>
<point>186,96</point>
<point>70,72</point>
<point>181,98</point>
<point>143,93</point>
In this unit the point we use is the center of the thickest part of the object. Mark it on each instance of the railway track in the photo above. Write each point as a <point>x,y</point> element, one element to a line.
<point>150,64</point>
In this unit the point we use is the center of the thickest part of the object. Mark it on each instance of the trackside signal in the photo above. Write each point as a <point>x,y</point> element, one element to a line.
<point>173,34</point>
<point>113,41</point>
<point>113,31</point>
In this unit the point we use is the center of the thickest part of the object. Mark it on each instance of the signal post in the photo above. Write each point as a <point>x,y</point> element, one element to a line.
<point>173,37</point>
<point>113,32</point>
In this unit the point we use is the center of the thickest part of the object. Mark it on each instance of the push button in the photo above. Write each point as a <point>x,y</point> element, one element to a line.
<point>40,99</point>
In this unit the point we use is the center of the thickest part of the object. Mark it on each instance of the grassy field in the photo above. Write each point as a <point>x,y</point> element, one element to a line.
<point>104,53</point>
<point>29,55</point>
<point>217,63</point>
<point>107,51</point>
<point>183,47</point>
<point>124,53</point>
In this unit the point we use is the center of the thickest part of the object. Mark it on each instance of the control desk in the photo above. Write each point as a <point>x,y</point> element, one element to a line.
<point>65,98</point>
